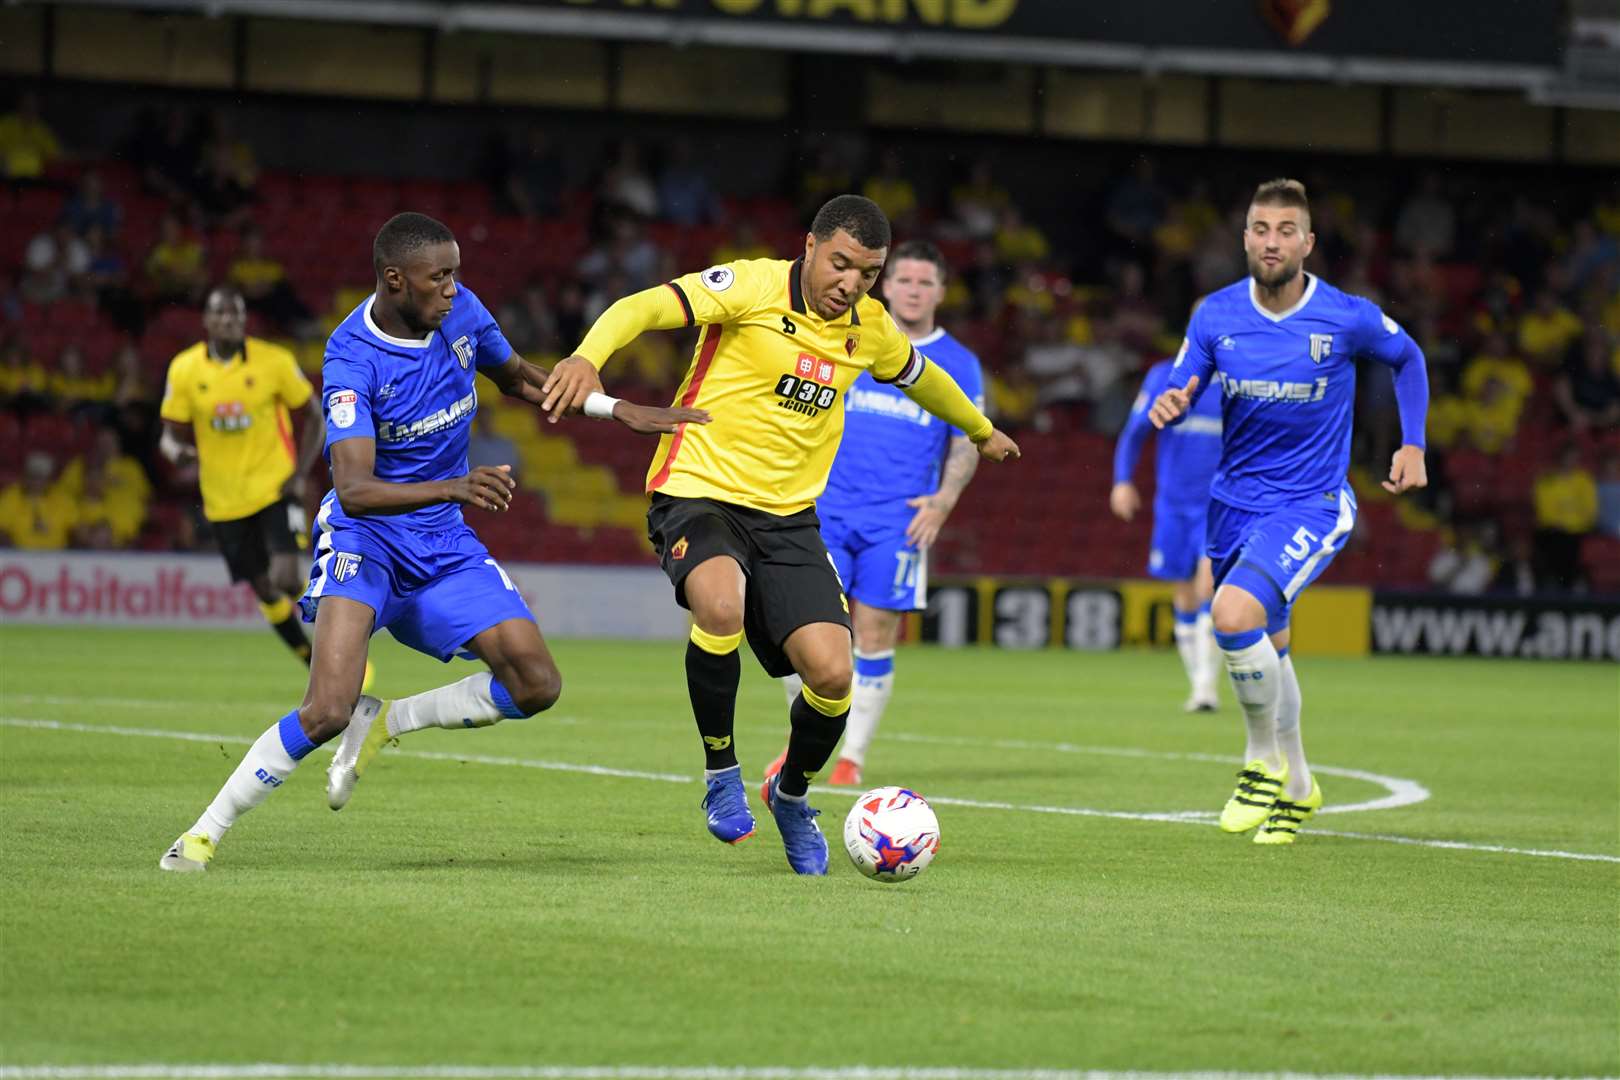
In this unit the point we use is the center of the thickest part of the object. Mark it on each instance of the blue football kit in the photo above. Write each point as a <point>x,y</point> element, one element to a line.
<point>1281,507</point>
<point>892,451</point>
<point>424,573</point>
<point>1184,465</point>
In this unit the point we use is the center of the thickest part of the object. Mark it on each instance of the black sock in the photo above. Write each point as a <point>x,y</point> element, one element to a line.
<point>815,737</point>
<point>291,631</point>
<point>711,681</point>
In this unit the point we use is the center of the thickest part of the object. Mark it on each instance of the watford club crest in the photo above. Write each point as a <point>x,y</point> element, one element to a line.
<point>852,341</point>
<point>1295,20</point>
<point>677,550</point>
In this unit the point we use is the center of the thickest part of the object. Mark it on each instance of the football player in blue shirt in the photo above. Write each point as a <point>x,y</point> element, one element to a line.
<point>392,549</point>
<point>897,477</point>
<point>1280,348</point>
<point>1184,465</point>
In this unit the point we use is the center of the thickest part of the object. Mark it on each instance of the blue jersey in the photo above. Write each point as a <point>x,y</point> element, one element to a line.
<point>1187,454</point>
<point>1288,387</point>
<point>893,449</point>
<point>414,397</point>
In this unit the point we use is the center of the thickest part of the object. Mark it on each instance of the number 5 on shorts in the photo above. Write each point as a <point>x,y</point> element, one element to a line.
<point>1302,543</point>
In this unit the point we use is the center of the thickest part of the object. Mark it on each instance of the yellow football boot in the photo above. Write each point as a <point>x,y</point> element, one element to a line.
<point>1283,823</point>
<point>1256,792</point>
<point>189,854</point>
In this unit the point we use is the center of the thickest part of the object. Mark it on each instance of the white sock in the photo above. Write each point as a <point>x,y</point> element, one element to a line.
<point>1255,679</point>
<point>710,774</point>
<point>791,687</point>
<point>1209,658</point>
<point>465,704</point>
<point>871,697</point>
<point>262,769</point>
<point>1187,645</point>
<point>1288,740</point>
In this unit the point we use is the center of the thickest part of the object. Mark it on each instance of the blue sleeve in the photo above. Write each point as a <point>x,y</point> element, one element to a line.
<point>1195,358</point>
<point>1128,451</point>
<point>348,384</point>
<point>1382,338</point>
<point>493,350</point>
<point>970,377</point>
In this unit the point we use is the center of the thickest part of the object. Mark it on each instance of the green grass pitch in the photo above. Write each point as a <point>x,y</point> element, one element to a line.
<point>488,900</point>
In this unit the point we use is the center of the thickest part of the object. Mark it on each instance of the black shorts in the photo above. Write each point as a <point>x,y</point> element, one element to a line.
<point>247,543</point>
<point>791,578</point>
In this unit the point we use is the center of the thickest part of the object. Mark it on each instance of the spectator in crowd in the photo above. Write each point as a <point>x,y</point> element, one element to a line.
<point>977,203</point>
<point>685,194</point>
<point>744,243</point>
<point>1135,209</point>
<point>1427,222</point>
<point>1548,330</point>
<point>625,184</point>
<point>1497,361</point>
<point>529,174</point>
<point>104,518</point>
<point>123,479</point>
<point>1466,564</point>
<point>264,285</point>
<point>176,267</point>
<point>23,383</point>
<point>893,191</point>
<point>1608,493</point>
<point>32,514</point>
<point>1019,241</point>
<point>223,189</point>
<point>27,143</point>
<point>626,254</point>
<point>89,208</point>
<point>1591,255</point>
<point>1588,391</point>
<point>529,323</point>
<point>1566,511</point>
<point>55,265</point>
<point>108,280</point>
<point>1516,576</point>
<point>486,446</point>
<point>75,389</point>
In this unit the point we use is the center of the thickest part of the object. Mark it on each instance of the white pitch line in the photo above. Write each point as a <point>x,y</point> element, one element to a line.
<point>277,1071</point>
<point>1183,817</point>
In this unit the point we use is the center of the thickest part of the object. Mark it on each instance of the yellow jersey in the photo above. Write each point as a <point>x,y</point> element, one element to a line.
<point>772,375</point>
<point>238,411</point>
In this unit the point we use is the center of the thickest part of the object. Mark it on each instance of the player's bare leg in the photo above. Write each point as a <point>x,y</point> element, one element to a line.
<point>1253,663</point>
<point>343,631</point>
<point>522,680</point>
<point>716,593</point>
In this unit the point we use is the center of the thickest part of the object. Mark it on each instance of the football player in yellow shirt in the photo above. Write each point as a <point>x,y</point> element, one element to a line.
<point>733,502</point>
<point>228,405</point>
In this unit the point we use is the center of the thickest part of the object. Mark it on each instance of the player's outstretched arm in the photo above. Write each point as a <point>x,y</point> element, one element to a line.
<point>362,494</point>
<point>577,377</point>
<point>931,387</point>
<point>520,379</point>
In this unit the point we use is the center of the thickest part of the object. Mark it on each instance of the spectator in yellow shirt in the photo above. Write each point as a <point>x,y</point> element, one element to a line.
<point>177,266</point>
<point>122,476</point>
<point>1018,241</point>
<point>1566,510</point>
<point>1497,361</point>
<point>893,192</point>
<point>27,144</point>
<point>104,519</point>
<point>264,285</point>
<point>73,386</point>
<point>32,515</point>
<point>1548,330</point>
<point>23,383</point>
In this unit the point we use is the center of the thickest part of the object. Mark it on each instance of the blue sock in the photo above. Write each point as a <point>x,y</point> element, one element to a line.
<point>1240,640</point>
<point>503,701</point>
<point>1186,618</point>
<point>293,739</point>
<point>1282,652</point>
<point>1203,609</point>
<point>874,667</point>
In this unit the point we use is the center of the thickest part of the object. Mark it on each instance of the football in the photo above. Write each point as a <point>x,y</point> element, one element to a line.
<point>891,834</point>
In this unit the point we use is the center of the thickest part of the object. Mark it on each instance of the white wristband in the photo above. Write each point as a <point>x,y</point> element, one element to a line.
<point>599,406</point>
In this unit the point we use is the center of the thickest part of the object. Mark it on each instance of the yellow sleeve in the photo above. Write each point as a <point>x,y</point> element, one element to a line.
<point>176,400</point>
<point>628,317</point>
<point>295,390</point>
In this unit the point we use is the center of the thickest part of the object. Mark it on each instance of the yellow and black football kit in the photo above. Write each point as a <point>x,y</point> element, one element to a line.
<point>772,374</point>
<point>238,410</point>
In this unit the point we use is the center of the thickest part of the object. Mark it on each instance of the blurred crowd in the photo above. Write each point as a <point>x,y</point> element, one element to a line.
<point>1515,300</point>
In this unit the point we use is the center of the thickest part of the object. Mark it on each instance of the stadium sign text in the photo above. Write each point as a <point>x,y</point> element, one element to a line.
<point>956,14</point>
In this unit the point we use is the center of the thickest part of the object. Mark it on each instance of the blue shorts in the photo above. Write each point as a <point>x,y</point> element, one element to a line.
<point>434,591</point>
<point>1274,554</point>
<point>874,561</point>
<point>1178,542</point>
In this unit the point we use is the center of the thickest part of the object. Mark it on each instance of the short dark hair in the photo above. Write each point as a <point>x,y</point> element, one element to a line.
<point>1282,192</point>
<point>921,250</point>
<point>403,235</point>
<point>862,218</point>
<point>227,292</point>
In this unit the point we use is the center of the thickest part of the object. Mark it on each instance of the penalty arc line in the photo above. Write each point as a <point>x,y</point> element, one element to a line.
<point>1174,817</point>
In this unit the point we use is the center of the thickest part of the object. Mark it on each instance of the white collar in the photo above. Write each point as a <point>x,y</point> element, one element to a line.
<point>928,339</point>
<point>1275,316</point>
<point>404,343</point>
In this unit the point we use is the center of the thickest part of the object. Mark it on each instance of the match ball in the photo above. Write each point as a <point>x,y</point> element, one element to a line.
<point>891,834</point>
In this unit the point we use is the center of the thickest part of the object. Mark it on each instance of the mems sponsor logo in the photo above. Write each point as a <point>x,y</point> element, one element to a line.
<point>879,403</point>
<point>438,421</point>
<point>1272,389</point>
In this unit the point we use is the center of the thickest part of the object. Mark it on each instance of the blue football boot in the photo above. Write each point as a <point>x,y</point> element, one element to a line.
<point>730,820</point>
<point>801,836</point>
